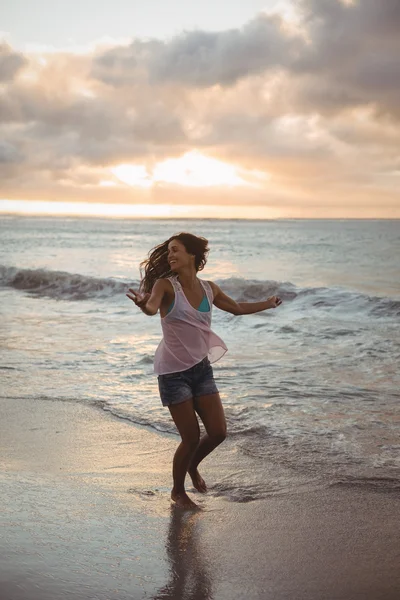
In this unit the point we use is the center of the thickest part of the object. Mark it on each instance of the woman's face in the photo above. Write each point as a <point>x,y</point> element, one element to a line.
<point>178,257</point>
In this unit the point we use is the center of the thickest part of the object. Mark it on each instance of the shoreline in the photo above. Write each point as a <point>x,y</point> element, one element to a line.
<point>87,515</point>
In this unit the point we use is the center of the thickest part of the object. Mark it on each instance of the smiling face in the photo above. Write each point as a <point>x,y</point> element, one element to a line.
<point>178,257</point>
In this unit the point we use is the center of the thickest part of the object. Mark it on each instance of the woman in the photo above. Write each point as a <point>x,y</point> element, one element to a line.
<point>182,360</point>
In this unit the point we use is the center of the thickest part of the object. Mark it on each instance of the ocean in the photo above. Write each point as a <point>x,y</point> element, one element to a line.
<point>311,389</point>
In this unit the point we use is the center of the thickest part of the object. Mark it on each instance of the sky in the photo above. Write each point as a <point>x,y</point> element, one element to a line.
<point>224,108</point>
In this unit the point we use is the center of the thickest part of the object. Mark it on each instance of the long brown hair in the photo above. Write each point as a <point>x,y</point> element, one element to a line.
<point>156,265</point>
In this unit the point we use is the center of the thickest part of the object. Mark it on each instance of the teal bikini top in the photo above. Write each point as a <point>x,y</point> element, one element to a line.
<point>204,306</point>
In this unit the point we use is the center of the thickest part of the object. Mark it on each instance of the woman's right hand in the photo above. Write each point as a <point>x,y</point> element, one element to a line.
<point>138,298</point>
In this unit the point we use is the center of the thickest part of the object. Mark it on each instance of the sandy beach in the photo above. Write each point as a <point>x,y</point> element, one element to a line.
<point>86,514</point>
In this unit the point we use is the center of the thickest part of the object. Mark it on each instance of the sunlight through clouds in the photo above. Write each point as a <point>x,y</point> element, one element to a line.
<point>196,170</point>
<point>193,169</point>
<point>133,175</point>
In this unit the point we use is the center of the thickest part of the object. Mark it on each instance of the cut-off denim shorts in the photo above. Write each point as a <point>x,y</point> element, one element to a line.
<point>192,383</point>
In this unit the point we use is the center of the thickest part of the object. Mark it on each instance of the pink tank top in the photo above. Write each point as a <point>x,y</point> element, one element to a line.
<point>187,335</point>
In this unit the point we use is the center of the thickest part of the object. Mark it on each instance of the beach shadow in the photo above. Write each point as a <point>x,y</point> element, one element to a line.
<point>189,579</point>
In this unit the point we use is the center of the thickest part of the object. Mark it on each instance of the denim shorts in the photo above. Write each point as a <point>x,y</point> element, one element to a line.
<point>192,383</point>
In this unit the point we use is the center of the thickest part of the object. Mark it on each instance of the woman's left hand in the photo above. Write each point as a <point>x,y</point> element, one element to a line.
<point>274,301</point>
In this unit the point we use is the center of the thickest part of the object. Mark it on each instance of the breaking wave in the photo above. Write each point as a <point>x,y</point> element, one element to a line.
<point>61,285</point>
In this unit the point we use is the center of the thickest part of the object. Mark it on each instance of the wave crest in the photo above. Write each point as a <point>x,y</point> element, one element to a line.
<point>61,285</point>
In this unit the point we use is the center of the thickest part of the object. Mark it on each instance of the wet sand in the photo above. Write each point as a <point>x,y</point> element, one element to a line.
<point>86,514</point>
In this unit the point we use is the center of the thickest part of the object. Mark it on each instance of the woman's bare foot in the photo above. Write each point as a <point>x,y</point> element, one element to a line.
<point>182,500</point>
<point>198,481</point>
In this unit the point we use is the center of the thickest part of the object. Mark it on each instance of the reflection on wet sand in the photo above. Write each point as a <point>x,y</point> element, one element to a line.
<point>189,578</point>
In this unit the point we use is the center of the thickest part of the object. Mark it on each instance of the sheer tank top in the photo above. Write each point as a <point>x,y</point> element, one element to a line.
<point>187,334</point>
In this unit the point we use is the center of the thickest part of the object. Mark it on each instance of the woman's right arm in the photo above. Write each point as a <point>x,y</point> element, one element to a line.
<point>149,303</point>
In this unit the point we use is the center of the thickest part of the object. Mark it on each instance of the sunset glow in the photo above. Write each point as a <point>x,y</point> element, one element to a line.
<point>290,108</point>
<point>136,211</point>
<point>135,175</point>
<point>192,170</point>
<point>196,170</point>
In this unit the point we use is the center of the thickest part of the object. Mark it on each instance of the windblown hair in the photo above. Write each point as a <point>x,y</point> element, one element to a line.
<point>156,266</point>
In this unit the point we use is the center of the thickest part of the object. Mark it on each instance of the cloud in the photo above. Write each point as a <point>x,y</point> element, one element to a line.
<point>316,106</point>
<point>9,154</point>
<point>10,62</point>
<point>352,55</point>
<point>204,59</point>
<point>201,58</point>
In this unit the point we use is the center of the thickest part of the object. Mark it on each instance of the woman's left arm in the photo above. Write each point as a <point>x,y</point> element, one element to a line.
<point>224,302</point>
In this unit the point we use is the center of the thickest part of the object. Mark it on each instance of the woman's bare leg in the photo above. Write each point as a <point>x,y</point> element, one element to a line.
<point>210,410</point>
<point>186,422</point>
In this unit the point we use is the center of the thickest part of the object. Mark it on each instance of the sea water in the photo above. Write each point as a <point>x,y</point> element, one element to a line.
<point>312,386</point>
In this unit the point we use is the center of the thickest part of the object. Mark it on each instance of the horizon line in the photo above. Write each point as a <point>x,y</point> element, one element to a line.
<point>188,218</point>
<point>167,212</point>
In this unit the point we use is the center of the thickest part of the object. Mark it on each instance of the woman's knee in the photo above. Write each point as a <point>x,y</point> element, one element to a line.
<point>191,441</point>
<point>218,436</point>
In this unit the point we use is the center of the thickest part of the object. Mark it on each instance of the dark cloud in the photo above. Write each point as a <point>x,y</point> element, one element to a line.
<point>203,59</point>
<point>346,56</point>
<point>124,65</point>
<point>353,55</point>
<point>200,58</point>
<point>330,22</point>
<point>9,154</point>
<point>10,62</point>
